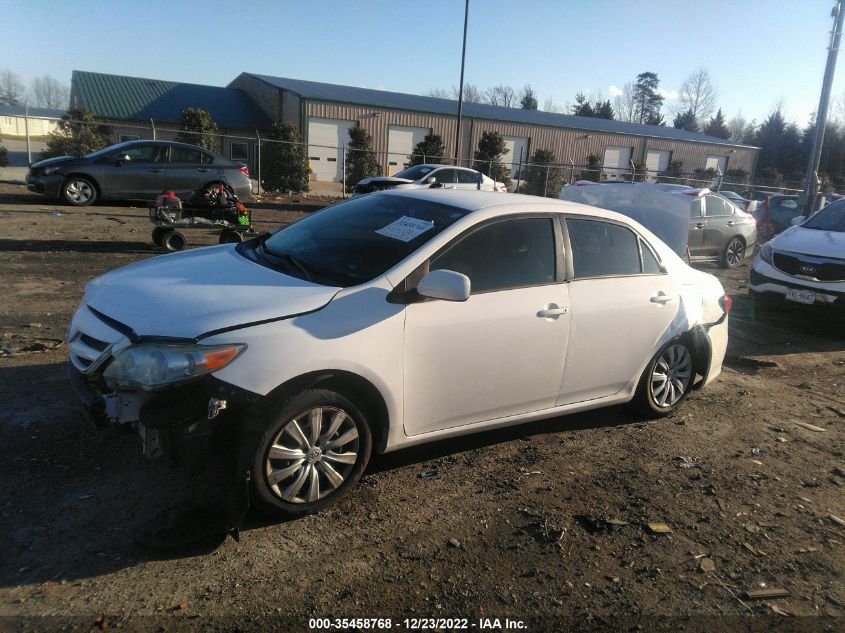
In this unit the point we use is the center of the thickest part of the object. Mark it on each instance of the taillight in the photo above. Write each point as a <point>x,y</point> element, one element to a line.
<point>245,170</point>
<point>726,302</point>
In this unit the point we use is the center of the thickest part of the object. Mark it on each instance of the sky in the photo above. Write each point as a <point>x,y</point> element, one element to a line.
<point>758,52</point>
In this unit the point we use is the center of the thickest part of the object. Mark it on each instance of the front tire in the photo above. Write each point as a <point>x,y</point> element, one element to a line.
<point>734,253</point>
<point>666,381</point>
<point>308,455</point>
<point>79,192</point>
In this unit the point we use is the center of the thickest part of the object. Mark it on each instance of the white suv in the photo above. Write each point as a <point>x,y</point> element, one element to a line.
<point>390,320</point>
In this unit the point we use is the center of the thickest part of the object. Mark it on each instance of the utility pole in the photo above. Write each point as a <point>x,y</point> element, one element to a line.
<point>461,88</point>
<point>812,177</point>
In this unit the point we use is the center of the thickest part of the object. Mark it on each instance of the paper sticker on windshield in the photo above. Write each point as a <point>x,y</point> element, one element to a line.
<point>405,229</point>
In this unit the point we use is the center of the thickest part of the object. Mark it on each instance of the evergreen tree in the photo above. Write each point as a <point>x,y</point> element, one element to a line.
<point>360,160</point>
<point>199,128</point>
<point>528,99</point>
<point>672,173</point>
<point>488,157</point>
<point>647,100</point>
<point>77,135</point>
<point>284,165</point>
<point>603,110</point>
<point>428,150</point>
<point>718,126</point>
<point>582,106</point>
<point>655,118</point>
<point>686,121</point>
<point>543,176</point>
<point>593,171</point>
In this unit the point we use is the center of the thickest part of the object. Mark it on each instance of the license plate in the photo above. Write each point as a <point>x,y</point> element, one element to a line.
<point>801,296</point>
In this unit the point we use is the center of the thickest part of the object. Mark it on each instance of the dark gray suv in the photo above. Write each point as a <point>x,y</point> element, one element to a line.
<point>137,170</point>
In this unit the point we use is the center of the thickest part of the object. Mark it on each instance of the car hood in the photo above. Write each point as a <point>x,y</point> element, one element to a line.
<point>187,294</point>
<point>52,161</point>
<point>797,239</point>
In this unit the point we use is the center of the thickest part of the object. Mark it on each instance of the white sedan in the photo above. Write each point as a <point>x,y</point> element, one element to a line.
<point>390,320</point>
<point>431,176</point>
<point>805,263</point>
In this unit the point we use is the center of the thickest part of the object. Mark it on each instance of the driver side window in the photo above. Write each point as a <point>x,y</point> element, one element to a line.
<point>507,254</point>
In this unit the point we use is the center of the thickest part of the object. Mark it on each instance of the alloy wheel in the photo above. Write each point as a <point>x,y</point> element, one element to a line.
<point>312,455</point>
<point>734,252</point>
<point>79,191</point>
<point>671,375</point>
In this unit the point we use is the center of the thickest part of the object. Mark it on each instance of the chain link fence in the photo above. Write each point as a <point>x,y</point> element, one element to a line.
<point>323,167</point>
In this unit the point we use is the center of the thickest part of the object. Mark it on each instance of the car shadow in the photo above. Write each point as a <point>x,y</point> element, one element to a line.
<point>80,246</point>
<point>77,498</point>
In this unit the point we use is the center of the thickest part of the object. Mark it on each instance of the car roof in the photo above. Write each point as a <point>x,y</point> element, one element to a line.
<point>439,165</point>
<point>173,143</point>
<point>474,200</point>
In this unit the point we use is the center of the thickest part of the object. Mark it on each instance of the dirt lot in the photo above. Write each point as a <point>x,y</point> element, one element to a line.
<point>545,523</point>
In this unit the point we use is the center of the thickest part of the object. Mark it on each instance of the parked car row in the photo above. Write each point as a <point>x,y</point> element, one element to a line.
<point>431,176</point>
<point>138,170</point>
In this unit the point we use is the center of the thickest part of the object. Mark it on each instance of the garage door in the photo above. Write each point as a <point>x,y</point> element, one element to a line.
<point>617,161</point>
<point>656,161</point>
<point>401,142</point>
<point>716,162</point>
<point>513,145</point>
<point>325,138</point>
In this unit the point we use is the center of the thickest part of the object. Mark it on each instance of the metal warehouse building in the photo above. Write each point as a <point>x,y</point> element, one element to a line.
<point>397,122</point>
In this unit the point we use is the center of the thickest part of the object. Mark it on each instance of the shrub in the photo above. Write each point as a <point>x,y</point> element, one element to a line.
<point>429,150</point>
<point>491,148</point>
<point>199,128</point>
<point>542,175</point>
<point>77,135</point>
<point>360,161</point>
<point>284,165</point>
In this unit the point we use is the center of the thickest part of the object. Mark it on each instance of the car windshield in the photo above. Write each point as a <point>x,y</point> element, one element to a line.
<point>831,218</point>
<point>354,241</point>
<point>110,149</point>
<point>414,173</point>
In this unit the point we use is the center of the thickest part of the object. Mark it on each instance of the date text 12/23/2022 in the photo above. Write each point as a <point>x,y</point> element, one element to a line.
<point>417,624</point>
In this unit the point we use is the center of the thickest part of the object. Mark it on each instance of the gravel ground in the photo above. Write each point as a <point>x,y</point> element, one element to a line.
<point>545,524</point>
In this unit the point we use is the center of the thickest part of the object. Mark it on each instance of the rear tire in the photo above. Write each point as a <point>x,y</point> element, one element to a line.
<point>306,455</point>
<point>158,235</point>
<point>229,236</point>
<point>79,191</point>
<point>734,253</point>
<point>174,241</point>
<point>666,381</point>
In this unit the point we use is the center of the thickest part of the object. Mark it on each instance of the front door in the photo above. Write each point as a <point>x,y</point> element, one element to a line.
<point>502,351</point>
<point>138,178</point>
<point>622,304</point>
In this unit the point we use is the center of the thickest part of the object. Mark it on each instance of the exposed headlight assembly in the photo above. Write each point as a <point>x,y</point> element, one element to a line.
<point>49,171</point>
<point>150,366</point>
<point>766,253</point>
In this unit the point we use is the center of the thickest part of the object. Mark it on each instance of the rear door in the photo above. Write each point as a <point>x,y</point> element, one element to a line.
<point>190,169</point>
<point>623,302</point>
<point>719,223</point>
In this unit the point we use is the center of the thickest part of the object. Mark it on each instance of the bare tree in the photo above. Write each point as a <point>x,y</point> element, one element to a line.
<point>550,106</point>
<point>737,127</point>
<point>48,92</point>
<point>439,93</point>
<point>12,91</point>
<point>501,95</point>
<point>698,94</point>
<point>624,105</point>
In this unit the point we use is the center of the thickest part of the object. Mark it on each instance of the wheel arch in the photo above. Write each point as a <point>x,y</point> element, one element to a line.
<point>699,343</point>
<point>358,389</point>
<point>88,177</point>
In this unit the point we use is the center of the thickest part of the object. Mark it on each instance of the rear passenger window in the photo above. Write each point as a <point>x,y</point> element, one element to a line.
<point>507,254</point>
<point>718,206</point>
<point>467,177</point>
<point>185,155</point>
<point>695,208</point>
<point>650,264</point>
<point>601,249</point>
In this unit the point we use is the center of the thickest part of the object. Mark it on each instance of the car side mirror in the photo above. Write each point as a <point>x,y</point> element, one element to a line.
<point>122,158</point>
<point>797,220</point>
<point>445,284</point>
<point>431,180</point>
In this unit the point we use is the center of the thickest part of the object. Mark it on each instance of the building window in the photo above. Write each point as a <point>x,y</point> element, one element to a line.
<point>239,151</point>
<point>128,137</point>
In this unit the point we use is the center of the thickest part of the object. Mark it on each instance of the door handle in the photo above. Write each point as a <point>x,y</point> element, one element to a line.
<point>156,170</point>
<point>731,223</point>
<point>202,169</point>
<point>552,311</point>
<point>661,297</point>
<point>700,225</point>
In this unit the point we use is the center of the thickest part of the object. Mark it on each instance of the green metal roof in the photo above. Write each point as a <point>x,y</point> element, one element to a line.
<point>139,99</point>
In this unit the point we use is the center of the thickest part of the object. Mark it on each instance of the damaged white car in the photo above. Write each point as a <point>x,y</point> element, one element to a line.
<point>390,320</point>
<point>431,176</point>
